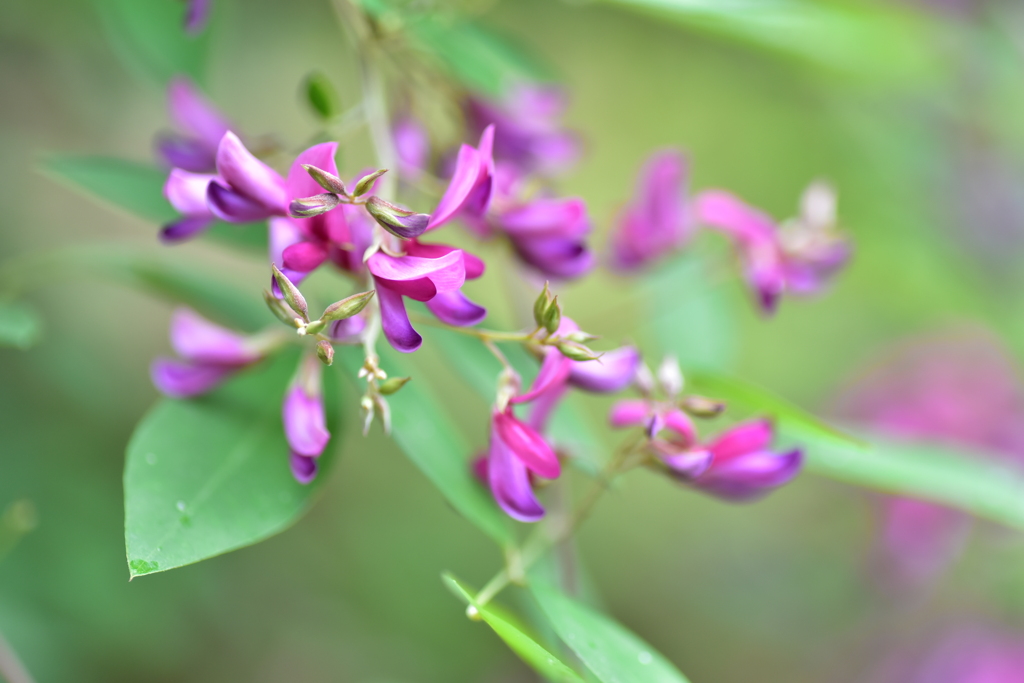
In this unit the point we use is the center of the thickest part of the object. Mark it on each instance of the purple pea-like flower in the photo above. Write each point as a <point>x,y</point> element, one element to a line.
<point>671,434</point>
<point>657,221</point>
<point>303,416</point>
<point>201,127</point>
<point>469,191</point>
<point>517,450</point>
<point>245,189</point>
<point>186,192</point>
<point>209,354</point>
<point>743,466</point>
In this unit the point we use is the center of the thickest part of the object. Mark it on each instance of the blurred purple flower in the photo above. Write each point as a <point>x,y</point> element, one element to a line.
<point>529,133</point>
<point>516,450</point>
<point>412,145</point>
<point>974,654</point>
<point>304,420</point>
<point>197,14</point>
<point>209,354</point>
<point>201,126</point>
<point>186,192</point>
<point>656,222</point>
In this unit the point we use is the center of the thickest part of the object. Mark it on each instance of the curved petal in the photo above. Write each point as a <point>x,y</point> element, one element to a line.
<point>197,13</point>
<point>555,257</point>
<point>510,482</point>
<point>182,379</point>
<point>304,257</point>
<point>407,274</point>
<point>743,438</point>
<point>629,413</point>
<point>661,196</point>
<point>186,153</point>
<point>228,205</point>
<point>249,176</point>
<point>751,475</point>
<point>304,422</point>
<point>725,211</point>
<point>454,308</point>
<point>196,339</point>
<point>680,423</point>
<point>192,112</point>
<point>544,404</point>
<point>299,182</point>
<point>395,321</point>
<point>613,371</point>
<point>527,445</point>
<point>184,229</point>
<point>467,168</point>
<point>187,192</point>
<point>688,465</point>
<point>546,216</point>
<point>765,272</point>
<point>554,371</point>
<point>304,468</point>
<point>347,330</point>
<point>412,145</point>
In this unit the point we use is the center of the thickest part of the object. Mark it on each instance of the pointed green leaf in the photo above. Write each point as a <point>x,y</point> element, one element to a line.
<point>20,325</point>
<point>611,651</point>
<point>528,649</point>
<point>209,475</point>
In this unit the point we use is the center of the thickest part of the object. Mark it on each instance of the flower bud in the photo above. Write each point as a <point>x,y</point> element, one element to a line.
<point>279,309</point>
<point>314,327</point>
<point>701,406</point>
<point>347,307</point>
<point>670,377</point>
<point>644,379</point>
<point>580,336</point>
<point>396,220</point>
<point>325,352</point>
<point>367,409</point>
<point>541,306</point>
<point>326,180</point>
<point>304,207</point>
<point>292,296</point>
<point>553,317</point>
<point>576,351</point>
<point>364,184</point>
<point>385,413</point>
<point>321,96</point>
<point>392,385</point>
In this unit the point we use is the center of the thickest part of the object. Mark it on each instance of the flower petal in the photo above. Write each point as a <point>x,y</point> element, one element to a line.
<point>347,330</point>
<point>406,274</point>
<point>680,423</point>
<point>188,154</point>
<point>303,467</point>
<point>555,257</point>
<point>688,465</point>
<point>304,257</point>
<point>182,379</point>
<point>299,182</point>
<point>566,217</point>
<point>629,413</point>
<point>395,321</point>
<point>304,422</point>
<point>184,229</point>
<point>193,113</point>
<point>741,439</point>
<point>196,339</point>
<point>613,371</point>
<point>250,177</point>
<point>554,371</point>
<point>187,192</point>
<point>751,475</point>
<point>725,211</point>
<point>231,206</point>
<point>527,445</point>
<point>453,308</point>
<point>510,482</point>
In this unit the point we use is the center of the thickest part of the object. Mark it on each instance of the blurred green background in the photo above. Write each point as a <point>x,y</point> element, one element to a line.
<point>923,139</point>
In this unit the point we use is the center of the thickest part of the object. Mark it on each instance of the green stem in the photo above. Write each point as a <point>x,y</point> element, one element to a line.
<point>486,335</point>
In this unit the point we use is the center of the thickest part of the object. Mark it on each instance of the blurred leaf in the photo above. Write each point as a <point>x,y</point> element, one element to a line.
<point>321,95</point>
<point>504,624</point>
<point>139,189</point>
<point>427,436</point>
<point>877,42</point>
<point>691,317</point>
<point>20,325</point>
<point>209,475</point>
<point>481,59</point>
<point>150,39</point>
<point>612,652</point>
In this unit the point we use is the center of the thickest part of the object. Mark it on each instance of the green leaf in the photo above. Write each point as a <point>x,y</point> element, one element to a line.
<point>20,325</point>
<point>209,475</point>
<point>150,39</point>
<point>514,635</point>
<point>611,651</point>
<point>139,189</point>
<point>426,434</point>
<point>321,95</point>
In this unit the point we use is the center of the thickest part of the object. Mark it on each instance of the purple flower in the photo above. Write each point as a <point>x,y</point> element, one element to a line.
<point>799,258</point>
<point>529,134</point>
<point>197,14</point>
<point>433,273</point>
<point>186,192</point>
<point>245,189</point>
<point>469,191</point>
<point>976,654</point>
<point>209,355</point>
<point>201,124</point>
<point>743,467</point>
<point>517,450</point>
<point>671,434</point>
<point>304,421</point>
<point>656,222</point>
<point>412,145</point>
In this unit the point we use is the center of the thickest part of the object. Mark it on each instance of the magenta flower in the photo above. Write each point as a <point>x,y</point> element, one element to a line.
<point>969,655</point>
<point>799,258</point>
<point>656,222</point>
<point>245,189</point>
<point>209,355</point>
<point>202,127</point>
<point>197,14</point>
<point>186,192</point>
<point>412,146</point>
<point>529,133</point>
<point>743,467</point>
<point>671,436</point>
<point>304,420</point>
<point>517,450</point>
<point>469,191</point>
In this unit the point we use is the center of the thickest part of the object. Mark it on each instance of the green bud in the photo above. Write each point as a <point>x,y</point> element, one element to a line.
<point>328,181</point>
<point>347,307</point>
<point>390,386</point>
<point>575,351</point>
<point>304,207</point>
<point>580,336</point>
<point>364,184</point>
<point>396,220</point>
<point>325,352</point>
<point>321,95</point>
<point>701,406</point>
<point>292,296</point>
<point>314,327</point>
<point>553,317</point>
<point>279,309</point>
<point>541,305</point>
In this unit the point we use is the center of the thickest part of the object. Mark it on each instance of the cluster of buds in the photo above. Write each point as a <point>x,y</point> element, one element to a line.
<point>378,385</point>
<point>547,313</point>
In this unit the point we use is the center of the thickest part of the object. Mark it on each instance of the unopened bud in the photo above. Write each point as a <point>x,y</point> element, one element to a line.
<point>326,180</point>
<point>366,408</point>
<point>670,377</point>
<point>580,336</point>
<point>321,95</point>
<point>541,306</point>
<point>701,406</point>
<point>392,385</point>
<point>347,307</point>
<point>575,351</point>
<point>644,379</point>
<point>325,352</point>
<point>305,207</point>
<point>279,309</point>
<point>292,296</point>
<point>364,184</point>
<point>385,413</point>
<point>315,327</point>
<point>396,220</point>
<point>553,317</point>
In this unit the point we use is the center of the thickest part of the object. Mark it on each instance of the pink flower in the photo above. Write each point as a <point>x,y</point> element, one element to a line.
<point>516,450</point>
<point>304,420</point>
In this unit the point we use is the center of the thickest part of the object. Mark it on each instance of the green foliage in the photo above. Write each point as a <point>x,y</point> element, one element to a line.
<point>20,325</point>
<point>515,636</point>
<point>209,475</point>
<point>139,189</point>
<point>150,39</point>
<point>321,96</point>
<point>611,651</point>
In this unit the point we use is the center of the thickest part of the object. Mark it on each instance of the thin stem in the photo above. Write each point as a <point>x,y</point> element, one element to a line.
<point>493,348</point>
<point>486,335</point>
